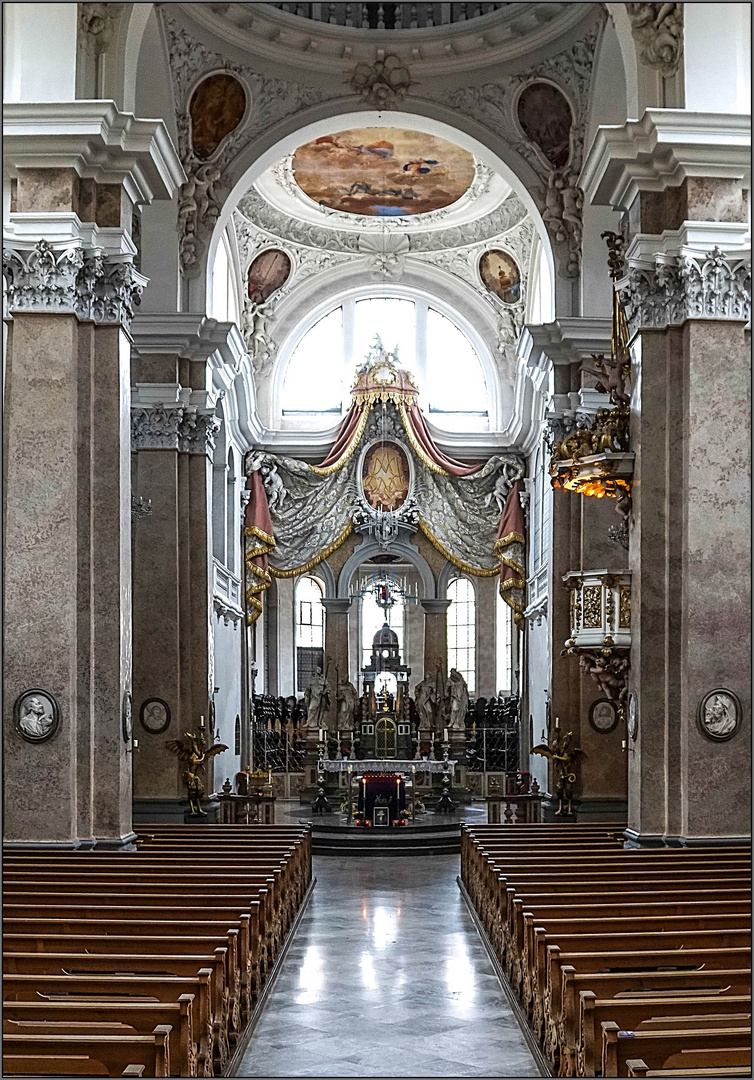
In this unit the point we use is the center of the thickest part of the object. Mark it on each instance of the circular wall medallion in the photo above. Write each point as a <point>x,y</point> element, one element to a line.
<point>127,720</point>
<point>501,275</point>
<point>268,273</point>
<point>155,715</point>
<point>720,715</point>
<point>36,715</point>
<point>603,716</point>
<point>632,717</point>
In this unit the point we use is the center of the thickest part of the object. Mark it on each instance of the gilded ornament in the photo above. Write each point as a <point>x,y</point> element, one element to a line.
<point>624,607</point>
<point>609,608</point>
<point>592,600</point>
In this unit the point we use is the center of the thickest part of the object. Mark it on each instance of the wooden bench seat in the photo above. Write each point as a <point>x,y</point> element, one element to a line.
<point>666,1011</point>
<point>139,1017</point>
<point>668,1049</point>
<point>50,1065</point>
<point>638,1067</point>
<point>115,1052</point>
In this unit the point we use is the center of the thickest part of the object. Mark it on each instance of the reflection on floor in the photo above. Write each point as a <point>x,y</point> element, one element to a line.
<point>387,977</point>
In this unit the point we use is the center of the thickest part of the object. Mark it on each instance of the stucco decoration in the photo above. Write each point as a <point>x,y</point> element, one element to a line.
<point>496,106</point>
<point>216,109</point>
<point>676,289</point>
<point>383,84</point>
<point>658,30</point>
<point>206,188</point>
<point>383,172</point>
<point>97,25</point>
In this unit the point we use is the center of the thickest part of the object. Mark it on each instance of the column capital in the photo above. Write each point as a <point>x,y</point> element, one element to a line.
<point>183,420</point>
<point>664,148</point>
<point>97,141</point>
<point>336,605</point>
<point>435,607</point>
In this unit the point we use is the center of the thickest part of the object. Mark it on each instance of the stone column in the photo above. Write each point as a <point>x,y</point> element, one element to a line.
<point>336,649</point>
<point>76,171</point>
<point>680,178</point>
<point>178,602</point>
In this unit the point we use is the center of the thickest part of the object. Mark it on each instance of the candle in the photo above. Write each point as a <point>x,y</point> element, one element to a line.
<point>338,736</point>
<point>201,721</point>
<point>321,734</point>
<point>557,722</point>
<point>445,735</point>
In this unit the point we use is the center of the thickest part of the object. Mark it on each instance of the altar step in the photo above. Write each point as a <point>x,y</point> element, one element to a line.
<point>440,839</point>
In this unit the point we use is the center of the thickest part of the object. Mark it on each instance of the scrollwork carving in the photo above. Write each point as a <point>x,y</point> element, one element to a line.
<point>658,30</point>
<point>383,84</point>
<point>676,289</point>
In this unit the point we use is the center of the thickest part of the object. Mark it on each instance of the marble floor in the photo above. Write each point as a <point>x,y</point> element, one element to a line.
<point>387,976</point>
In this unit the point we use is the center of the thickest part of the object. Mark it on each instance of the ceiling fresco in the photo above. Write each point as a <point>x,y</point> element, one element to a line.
<point>383,172</point>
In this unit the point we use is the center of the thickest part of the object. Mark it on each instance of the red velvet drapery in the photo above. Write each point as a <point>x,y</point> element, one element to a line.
<point>428,445</point>
<point>346,432</point>
<point>509,548</point>
<point>259,541</point>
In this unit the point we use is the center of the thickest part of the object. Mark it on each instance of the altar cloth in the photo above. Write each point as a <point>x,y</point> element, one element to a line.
<point>381,765</point>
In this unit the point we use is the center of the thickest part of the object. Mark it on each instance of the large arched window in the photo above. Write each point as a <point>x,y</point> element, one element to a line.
<point>438,352</point>
<point>462,630</point>
<point>373,619</point>
<point>310,631</point>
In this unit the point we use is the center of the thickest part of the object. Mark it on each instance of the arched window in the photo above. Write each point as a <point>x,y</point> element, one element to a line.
<point>503,647</point>
<point>430,344</point>
<point>462,630</point>
<point>230,510</point>
<point>373,618</point>
<point>310,630</point>
<point>224,303</point>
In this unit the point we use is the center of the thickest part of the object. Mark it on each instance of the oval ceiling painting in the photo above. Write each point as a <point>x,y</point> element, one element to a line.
<point>383,172</point>
<point>546,119</point>
<point>216,108</point>
<point>386,476</point>
<point>268,273</point>
<point>501,275</point>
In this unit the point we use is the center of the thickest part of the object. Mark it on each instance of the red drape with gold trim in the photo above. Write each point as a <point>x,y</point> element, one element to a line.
<point>509,548</point>
<point>259,541</point>
<point>346,432</point>
<point>428,445</point>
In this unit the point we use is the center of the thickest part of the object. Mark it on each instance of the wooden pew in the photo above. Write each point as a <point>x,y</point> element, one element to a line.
<point>638,1067</point>
<point>670,1049</point>
<point>139,1017</point>
<point>632,1013</point>
<point>49,1065</point>
<point>115,1052</point>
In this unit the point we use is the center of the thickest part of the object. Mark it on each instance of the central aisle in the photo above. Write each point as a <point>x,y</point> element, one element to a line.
<point>387,976</point>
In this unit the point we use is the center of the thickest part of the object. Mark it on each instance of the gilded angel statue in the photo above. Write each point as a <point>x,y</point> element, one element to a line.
<point>195,752</point>
<point>563,757</point>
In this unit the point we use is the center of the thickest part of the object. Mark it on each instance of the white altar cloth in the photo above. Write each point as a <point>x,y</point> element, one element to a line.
<point>382,765</point>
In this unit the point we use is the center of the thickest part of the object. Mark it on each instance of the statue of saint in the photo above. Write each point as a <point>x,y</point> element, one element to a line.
<point>348,698</point>
<point>456,700</point>
<point>317,701</point>
<point>425,699</point>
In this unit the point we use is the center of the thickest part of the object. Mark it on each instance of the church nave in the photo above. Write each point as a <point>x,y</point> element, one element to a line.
<point>387,976</point>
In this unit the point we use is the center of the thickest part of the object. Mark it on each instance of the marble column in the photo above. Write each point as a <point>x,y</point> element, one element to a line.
<point>174,427</point>
<point>436,637</point>
<point>71,291</point>
<point>336,649</point>
<point>680,178</point>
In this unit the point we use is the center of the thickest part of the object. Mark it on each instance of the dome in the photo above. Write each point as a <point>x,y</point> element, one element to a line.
<point>385,637</point>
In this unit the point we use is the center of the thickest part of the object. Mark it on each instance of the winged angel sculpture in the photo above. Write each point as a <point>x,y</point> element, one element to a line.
<point>195,753</point>
<point>564,757</point>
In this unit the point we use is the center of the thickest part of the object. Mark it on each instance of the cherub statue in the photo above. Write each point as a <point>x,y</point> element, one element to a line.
<point>612,374</point>
<point>195,752</point>
<point>271,480</point>
<point>563,757</point>
<point>610,430</point>
<point>609,672</point>
<point>580,443</point>
<point>510,471</point>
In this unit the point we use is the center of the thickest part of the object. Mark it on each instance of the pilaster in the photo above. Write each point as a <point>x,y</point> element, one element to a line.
<point>77,169</point>
<point>687,294</point>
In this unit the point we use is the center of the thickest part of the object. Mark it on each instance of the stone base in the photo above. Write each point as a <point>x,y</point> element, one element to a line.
<point>587,811</point>
<point>172,812</point>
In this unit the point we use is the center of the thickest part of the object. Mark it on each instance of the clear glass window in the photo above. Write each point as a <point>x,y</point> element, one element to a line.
<point>455,381</point>
<point>504,647</point>
<point>373,619</point>
<point>310,614</point>
<point>314,378</point>
<point>393,319</point>
<point>462,630</point>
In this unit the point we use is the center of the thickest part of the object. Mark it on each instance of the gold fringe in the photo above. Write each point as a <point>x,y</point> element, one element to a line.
<point>476,571</point>
<point>432,465</point>
<point>509,538</point>
<point>305,567</point>
<point>328,470</point>
<point>261,579</point>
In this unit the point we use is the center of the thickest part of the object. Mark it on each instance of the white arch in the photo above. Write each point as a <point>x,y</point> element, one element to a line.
<point>284,137</point>
<point>368,548</point>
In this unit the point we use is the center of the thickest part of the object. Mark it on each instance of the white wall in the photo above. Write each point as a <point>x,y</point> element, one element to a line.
<point>39,52</point>
<point>717,57</point>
